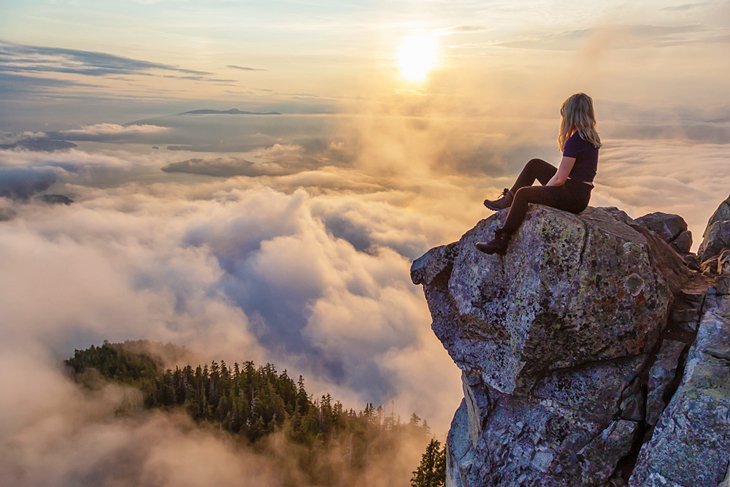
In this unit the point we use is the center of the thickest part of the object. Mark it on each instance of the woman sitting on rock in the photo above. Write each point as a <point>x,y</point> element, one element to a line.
<point>567,187</point>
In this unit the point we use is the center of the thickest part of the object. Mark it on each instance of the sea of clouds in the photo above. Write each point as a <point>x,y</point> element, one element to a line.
<point>265,238</point>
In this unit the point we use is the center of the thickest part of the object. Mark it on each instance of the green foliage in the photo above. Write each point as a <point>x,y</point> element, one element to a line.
<point>119,362</point>
<point>432,470</point>
<point>329,443</point>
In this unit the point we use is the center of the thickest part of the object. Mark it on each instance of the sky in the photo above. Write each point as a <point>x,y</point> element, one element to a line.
<point>288,236</point>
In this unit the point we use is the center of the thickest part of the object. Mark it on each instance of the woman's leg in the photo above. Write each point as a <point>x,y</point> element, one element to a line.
<point>546,195</point>
<point>534,169</point>
<point>572,196</point>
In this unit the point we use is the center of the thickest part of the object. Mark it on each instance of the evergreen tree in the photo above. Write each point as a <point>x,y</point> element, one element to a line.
<point>432,470</point>
<point>330,445</point>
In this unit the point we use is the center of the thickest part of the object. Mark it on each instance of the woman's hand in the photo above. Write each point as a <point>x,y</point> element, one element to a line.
<point>563,170</point>
<point>554,181</point>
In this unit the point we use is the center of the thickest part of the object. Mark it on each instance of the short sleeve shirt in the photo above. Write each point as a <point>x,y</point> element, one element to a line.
<point>586,158</point>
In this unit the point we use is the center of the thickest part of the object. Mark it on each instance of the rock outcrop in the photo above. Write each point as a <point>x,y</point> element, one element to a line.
<point>673,230</point>
<point>572,345</point>
<point>691,443</point>
<point>717,234</point>
<point>670,228</point>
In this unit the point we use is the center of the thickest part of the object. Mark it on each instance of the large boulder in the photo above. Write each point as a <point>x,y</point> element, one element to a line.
<point>555,341</point>
<point>669,227</point>
<point>717,233</point>
<point>570,290</point>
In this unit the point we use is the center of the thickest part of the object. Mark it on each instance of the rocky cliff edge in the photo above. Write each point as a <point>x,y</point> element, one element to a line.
<point>591,353</point>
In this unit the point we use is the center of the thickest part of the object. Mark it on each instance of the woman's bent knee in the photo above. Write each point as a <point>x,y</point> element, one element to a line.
<point>532,194</point>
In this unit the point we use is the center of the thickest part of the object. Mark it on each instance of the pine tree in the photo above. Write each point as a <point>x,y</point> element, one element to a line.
<point>254,402</point>
<point>432,470</point>
<point>302,397</point>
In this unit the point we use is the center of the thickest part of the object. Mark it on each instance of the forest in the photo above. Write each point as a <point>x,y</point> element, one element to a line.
<point>330,444</point>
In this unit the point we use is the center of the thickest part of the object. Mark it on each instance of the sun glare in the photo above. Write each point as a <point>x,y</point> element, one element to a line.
<point>417,57</point>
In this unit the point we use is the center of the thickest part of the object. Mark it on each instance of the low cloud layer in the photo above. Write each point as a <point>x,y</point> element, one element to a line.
<point>90,132</point>
<point>234,274</point>
<point>296,252</point>
<point>288,238</point>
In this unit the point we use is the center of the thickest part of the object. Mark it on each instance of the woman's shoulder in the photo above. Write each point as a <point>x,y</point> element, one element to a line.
<point>580,139</point>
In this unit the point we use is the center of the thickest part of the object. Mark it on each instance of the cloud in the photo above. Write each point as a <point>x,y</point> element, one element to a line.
<point>77,437</point>
<point>71,165</point>
<point>685,6</point>
<point>74,437</point>
<point>23,183</point>
<point>616,36</point>
<point>304,264</point>
<point>15,84</point>
<point>101,132</point>
<point>224,167</point>
<point>7,212</point>
<point>278,159</point>
<point>244,68</point>
<point>39,143</point>
<point>246,267</point>
<point>644,176</point>
<point>112,131</point>
<point>27,58</point>
<point>229,271</point>
<point>703,132</point>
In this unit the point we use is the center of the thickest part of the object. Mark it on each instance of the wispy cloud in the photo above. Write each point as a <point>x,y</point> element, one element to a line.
<point>19,84</point>
<point>111,129</point>
<point>244,68</point>
<point>27,58</point>
<point>685,6</point>
<point>618,36</point>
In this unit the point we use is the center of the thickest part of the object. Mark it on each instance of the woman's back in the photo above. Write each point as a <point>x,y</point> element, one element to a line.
<point>586,158</point>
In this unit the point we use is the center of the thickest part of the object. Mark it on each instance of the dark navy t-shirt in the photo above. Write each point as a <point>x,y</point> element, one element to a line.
<point>586,158</point>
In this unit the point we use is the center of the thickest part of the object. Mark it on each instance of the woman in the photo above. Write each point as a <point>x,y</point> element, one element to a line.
<point>567,187</point>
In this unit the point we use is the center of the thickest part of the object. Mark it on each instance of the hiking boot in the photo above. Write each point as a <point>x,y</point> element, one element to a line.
<point>505,201</point>
<point>498,245</point>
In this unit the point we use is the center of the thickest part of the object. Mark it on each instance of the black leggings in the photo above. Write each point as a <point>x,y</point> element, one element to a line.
<point>573,196</point>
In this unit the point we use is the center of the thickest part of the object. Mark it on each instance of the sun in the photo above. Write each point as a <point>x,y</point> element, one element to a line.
<point>417,57</point>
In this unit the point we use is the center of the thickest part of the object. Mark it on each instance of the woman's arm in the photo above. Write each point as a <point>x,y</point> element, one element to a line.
<point>563,170</point>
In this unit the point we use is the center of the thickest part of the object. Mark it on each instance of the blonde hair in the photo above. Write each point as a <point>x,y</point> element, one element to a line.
<point>578,116</point>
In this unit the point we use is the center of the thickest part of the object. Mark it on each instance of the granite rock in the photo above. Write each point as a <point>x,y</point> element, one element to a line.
<point>661,374</point>
<point>668,226</point>
<point>571,289</point>
<point>591,354</point>
<point>683,242</point>
<point>690,444</point>
<point>552,340</point>
<point>717,233</point>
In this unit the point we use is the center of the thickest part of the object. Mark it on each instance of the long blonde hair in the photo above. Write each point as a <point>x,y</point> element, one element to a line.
<point>578,116</point>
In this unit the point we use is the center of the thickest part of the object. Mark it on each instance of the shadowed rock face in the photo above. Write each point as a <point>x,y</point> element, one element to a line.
<point>568,350</point>
<point>691,443</point>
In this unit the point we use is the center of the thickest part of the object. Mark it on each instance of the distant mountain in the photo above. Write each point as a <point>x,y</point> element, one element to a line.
<point>232,111</point>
